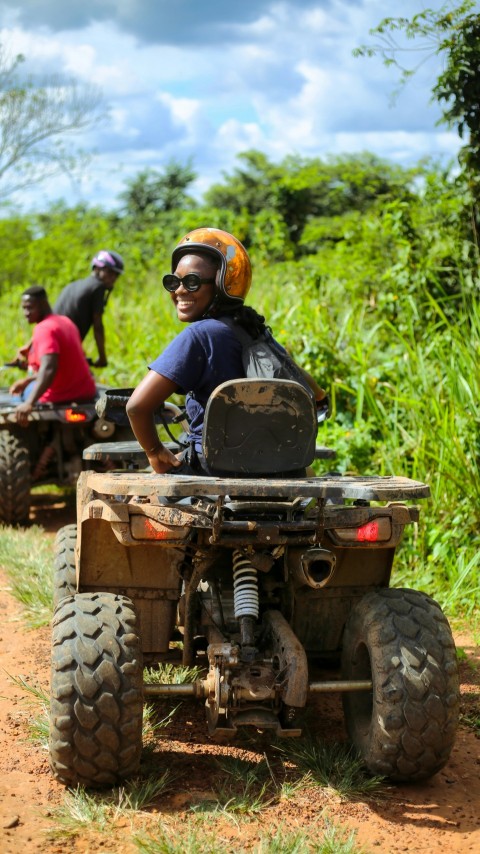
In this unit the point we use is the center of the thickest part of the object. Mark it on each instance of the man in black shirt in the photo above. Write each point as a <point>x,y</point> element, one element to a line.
<point>84,301</point>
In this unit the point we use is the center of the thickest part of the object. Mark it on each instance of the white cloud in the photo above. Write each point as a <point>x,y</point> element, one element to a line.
<point>399,146</point>
<point>184,110</point>
<point>234,136</point>
<point>120,123</point>
<point>281,78</point>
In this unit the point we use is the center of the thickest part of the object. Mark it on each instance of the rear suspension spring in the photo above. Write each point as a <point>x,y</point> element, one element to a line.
<point>245,587</point>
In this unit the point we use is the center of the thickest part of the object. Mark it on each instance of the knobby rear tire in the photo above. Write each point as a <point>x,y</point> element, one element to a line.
<point>64,577</point>
<point>15,480</point>
<point>96,691</point>
<point>405,727</point>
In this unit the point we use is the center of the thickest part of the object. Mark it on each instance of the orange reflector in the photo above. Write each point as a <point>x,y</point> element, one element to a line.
<point>75,415</point>
<point>375,531</point>
<point>143,528</point>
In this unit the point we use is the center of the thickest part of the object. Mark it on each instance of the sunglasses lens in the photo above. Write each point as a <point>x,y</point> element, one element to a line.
<point>170,282</point>
<point>191,282</point>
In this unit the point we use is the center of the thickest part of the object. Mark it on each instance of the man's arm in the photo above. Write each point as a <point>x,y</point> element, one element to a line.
<point>99,334</point>
<point>22,354</point>
<point>42,381</point>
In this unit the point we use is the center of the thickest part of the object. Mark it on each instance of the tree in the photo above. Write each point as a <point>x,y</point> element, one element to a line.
<point>36,118</point>
<point>252,186</point>
<point>459,84</point>
<point>452,32</point>
<point>288,195</point>
<point>150,192</point>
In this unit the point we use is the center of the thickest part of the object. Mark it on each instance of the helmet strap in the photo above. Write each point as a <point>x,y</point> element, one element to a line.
<point>210,310</point>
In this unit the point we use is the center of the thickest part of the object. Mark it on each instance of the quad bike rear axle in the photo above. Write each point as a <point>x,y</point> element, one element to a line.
<point>198,690</point>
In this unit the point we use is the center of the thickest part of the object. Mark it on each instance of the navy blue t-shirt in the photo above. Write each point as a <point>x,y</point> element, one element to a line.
<point>202,356</point>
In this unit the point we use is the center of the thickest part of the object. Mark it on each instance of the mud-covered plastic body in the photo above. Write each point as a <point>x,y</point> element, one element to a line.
<point>263,575</point>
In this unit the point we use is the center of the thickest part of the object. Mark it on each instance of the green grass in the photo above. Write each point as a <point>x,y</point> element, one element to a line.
<point>329,839</point>
<point>181,840</point>
<point>27,557</point>
<point>152,725</point>
<point>333,766</point>
<point>241,788</point>
<point>83,812</point>
<point>171,674</point>
<point>38,700</point>
<point>472,721</point>
<point>193,837</point>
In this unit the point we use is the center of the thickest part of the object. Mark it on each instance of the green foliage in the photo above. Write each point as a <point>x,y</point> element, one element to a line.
<point>150,193</point>
<point>253,185</point>
<point>458,85</point>
<point>15,239</point>
<point>280,200</point>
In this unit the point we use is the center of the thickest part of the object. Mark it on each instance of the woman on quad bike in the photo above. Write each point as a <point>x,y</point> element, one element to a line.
<point>211,276</point>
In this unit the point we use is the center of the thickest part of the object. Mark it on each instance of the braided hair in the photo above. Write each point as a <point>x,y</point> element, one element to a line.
<point>250,320</point>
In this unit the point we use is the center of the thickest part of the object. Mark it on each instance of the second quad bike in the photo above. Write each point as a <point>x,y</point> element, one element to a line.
<point>47,451</point>
<point>261,571</point>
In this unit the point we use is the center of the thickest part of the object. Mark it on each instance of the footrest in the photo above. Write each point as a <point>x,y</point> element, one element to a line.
<point>323,453</point>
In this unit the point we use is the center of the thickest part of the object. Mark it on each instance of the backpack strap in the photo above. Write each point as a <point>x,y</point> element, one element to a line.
<point>265,350</point>
<point>240,333</point>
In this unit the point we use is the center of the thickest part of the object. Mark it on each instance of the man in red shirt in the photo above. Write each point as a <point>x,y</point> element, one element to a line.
<point>58,368</point>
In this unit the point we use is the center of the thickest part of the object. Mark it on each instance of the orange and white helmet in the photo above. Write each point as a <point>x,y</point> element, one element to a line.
<point>235,272</point>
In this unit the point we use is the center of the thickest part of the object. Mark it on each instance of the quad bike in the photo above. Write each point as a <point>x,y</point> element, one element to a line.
<point>262,571</point>
<point>48,450</point>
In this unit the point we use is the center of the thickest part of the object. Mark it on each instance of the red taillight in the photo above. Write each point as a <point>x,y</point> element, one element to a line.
<point>378,530</point>
<point>75,415</point>
<point>368,533</point>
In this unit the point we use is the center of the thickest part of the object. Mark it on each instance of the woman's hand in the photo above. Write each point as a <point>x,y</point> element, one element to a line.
<point>162,460</point>
<point>149,395</point>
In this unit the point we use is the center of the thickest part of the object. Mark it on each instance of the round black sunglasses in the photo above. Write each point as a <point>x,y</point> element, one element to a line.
<point>191,282</point>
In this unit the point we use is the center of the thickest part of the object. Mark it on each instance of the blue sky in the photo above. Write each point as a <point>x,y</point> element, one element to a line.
<point>205,81</point>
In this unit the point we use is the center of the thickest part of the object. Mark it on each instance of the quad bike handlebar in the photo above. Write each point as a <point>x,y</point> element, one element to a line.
<point>112,403</point>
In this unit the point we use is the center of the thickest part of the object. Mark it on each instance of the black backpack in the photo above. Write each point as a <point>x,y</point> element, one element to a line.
<point>263,357</point>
